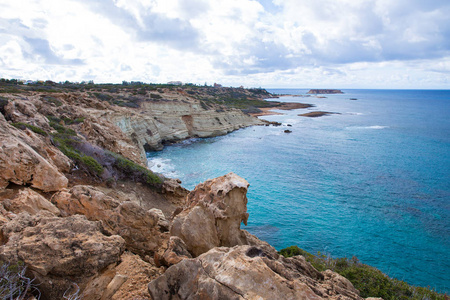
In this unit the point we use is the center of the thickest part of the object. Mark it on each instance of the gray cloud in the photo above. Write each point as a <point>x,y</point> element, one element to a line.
<point>176,33</point>
<point>33,46</point>
<point>41,48</point>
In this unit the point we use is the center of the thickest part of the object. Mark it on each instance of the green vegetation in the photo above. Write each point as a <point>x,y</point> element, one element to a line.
<point>92,164</point>
<point>66,140</point>
<point>103,165</point>
<point>248,100</point>
<point>3,102</point>
<point>61,129</point>
<point>33,128</point>
<point>51,99</point>
<point>136,172</point>
<point>64,120</point>
<point>370,281</point>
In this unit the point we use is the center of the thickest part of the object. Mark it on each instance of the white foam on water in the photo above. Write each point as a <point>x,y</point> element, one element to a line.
<point>354,113</point>
<point>163,166</point>
<point>377,127</point>
<point>368,127</point>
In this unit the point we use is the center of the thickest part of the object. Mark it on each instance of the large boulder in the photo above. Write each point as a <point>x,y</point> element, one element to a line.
<point>59,251</point>
<point>247,272</point>
<point>24,160</point>
<point>26,200</point>
<point>142,229</point>
<point>213,214</point>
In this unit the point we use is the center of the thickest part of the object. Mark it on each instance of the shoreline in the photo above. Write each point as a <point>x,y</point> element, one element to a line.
<point>267,111</point>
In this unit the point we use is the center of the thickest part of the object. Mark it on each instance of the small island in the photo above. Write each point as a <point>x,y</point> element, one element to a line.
<point>324,91</point>
<point>315,114</point>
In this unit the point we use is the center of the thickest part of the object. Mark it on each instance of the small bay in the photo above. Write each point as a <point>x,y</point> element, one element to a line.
<point>372,181</point>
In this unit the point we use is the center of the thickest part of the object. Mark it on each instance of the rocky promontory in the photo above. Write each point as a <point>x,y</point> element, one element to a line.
<point>324,91</point>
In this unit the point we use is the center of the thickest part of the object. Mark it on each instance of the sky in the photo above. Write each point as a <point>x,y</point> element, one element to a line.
<point>392,44</point>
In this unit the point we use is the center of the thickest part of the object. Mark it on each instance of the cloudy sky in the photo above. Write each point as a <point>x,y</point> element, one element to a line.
<point>267,43</point>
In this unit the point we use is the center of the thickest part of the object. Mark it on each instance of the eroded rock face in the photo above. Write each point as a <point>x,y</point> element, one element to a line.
<point>141,229</point>
<point>27,200</point>
<point>246,272</point>
<point>22,164</point>
<point>177,119</point>
<point>171,252</point>
<point>213,215</point>
<point>59,251</point>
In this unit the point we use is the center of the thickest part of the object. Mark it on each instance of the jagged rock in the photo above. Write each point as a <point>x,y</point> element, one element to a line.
<point>137,226</point>
<point>213,215</point>
<point>108,136</point>
<point>21,164</point>
<point>174,191</point>
<point>173,253</point>
<point>59,251</point>
<point>25,111</point>
<point>246,272</point>
<point>341,284</point>
<point>29,201</point>
<point>324,91</point>
<point>163,223</point>
<point>139,273</point>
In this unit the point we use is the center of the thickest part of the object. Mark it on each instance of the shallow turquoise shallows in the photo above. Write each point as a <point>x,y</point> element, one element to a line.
<point>372,181</point>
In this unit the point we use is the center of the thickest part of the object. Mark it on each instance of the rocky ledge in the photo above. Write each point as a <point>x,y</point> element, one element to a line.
<point>324,91</point>
<point>315,114</point>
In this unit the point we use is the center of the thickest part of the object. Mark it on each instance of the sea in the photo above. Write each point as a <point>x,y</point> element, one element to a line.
<point>371,181</point>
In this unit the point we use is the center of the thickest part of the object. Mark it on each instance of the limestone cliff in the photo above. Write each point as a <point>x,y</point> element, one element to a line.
<point>163,121</point>
<point>142,123</point>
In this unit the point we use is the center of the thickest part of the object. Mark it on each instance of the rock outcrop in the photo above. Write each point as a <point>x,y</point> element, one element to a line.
<point>59,251</point>
<point>324,91</point>
<point>249,272</point>
<point>26,200</point>
<point>142,230</point>
<point>213,215</point>
<point>153,126</point>
<point>25,161</point>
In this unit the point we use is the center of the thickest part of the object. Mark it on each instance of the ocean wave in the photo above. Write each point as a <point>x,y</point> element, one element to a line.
<point>163,166</point>
<point>368,127</point>
<point>354,113</point>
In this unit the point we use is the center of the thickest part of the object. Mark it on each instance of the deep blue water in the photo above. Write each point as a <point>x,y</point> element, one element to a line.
<point>372,181</point>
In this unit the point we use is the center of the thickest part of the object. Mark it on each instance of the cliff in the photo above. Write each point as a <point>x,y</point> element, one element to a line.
<point>126,122</point>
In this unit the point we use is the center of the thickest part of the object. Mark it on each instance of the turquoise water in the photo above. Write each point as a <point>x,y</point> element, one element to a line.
<point>372,181</point>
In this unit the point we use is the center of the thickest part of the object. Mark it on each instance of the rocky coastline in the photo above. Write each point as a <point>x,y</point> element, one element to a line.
<point>324,91</point>
<point>82,216</point>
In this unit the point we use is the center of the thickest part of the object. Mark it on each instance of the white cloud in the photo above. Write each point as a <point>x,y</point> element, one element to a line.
<point>349,43</point>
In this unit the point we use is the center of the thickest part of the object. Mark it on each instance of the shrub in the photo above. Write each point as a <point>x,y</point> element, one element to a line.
<point>51,99</point>
<point>67,144</point>
<point>3,102</point>
<point>155,96</point>
<point>370,281</point>
<point>92,164</point>
<point>103,97</point>
<point>33,128</point>
<point>61,129</point>
<point>14,284</point>
<point>98,162</point>
<point>134,171</point>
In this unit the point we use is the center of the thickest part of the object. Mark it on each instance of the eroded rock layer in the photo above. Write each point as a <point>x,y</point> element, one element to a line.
<point>249,272</point>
